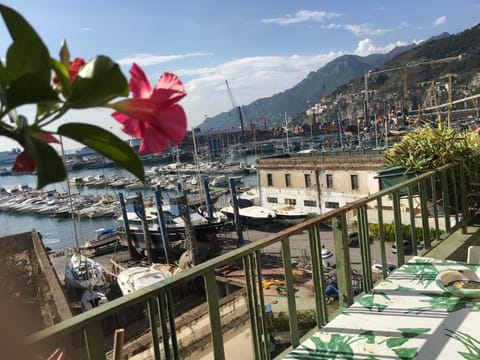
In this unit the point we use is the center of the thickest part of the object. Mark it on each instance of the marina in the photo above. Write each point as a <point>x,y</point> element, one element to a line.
<point>96,212</point>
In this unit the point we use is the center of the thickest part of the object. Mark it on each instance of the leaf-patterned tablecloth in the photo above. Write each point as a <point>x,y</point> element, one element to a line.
<point>407,316</point>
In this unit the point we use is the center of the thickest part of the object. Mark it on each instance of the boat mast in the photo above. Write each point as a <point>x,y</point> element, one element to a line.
<point>69,192</point>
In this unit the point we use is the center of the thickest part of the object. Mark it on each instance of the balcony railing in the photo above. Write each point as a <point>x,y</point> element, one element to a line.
<point>426,209</point>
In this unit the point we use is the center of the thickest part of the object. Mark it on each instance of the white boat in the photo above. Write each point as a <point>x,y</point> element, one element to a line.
<point>290,214</point>
<point>139,277</point>
<point>103,237</point>
<point>91,299</point>
<point>250,214</point>
<point>82,272</point>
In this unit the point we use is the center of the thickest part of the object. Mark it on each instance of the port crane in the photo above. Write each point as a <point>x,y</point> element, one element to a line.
<point>234,104</point>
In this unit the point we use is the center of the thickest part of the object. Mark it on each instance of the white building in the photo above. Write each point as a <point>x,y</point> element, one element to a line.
<point>317,184</point>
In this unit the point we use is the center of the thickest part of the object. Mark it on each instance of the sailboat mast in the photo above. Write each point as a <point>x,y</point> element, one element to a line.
<point>75,234</point>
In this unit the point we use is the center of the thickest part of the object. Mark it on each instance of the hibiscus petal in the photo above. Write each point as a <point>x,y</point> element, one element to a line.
<point>24,163</point>
<point>168,91</point>
<point>172,123</point>
<point>153,141</point>
<point>129,125</point>
<point>46,137</point>
<point>139,85</point>
<point>140,109</point>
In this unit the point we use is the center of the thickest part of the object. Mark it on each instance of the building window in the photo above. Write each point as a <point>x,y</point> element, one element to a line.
<point>354,180</point>
<point>308,180</point>
<point>269,180</point>
<point>332,205</point>
<point>329,178</point>
<point>288,180</point>
<point>290,201</point>
<point>272,200</point>
<point>309,203</point>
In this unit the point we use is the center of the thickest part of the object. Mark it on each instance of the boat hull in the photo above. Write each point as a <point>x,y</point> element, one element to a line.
<point>205,235</point>
<point>81,272</point>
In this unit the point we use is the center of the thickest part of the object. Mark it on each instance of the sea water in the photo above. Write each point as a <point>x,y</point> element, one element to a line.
<point>61,233</point>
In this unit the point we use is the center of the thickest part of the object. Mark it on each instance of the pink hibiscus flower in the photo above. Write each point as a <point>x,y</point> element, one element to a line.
<point>24,162</point>
<point>154,115</point>
<point>73,68</point>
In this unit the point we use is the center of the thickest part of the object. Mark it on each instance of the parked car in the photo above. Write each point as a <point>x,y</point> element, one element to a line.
<point>378,268</point>
<point>407,247</point>
<point>354,239</point>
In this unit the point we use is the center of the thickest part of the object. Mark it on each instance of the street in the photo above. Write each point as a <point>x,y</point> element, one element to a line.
<point>300,247</point>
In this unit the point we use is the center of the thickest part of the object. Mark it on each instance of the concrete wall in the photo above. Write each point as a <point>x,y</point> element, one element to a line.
<point>194,331</point>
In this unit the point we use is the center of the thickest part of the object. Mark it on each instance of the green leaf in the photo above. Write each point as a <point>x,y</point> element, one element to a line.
<point>99,81</point>
<point>49,165</point>
<point>468,356</point>
<point>27,54</point>
<point>3,75</point>
<point>63,76</point>
<point>29,89</point>
<point>413,332</point>
<point>106,144</point>
<point>406,353</point>
<point>394,342</point>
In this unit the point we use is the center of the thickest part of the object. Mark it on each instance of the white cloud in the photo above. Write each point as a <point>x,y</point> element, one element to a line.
<point>366,47</point>
<point>439,21</point>
<point>301,16</point>
<point>149,59</point>
<point>249,78</point>
<point>357,29</point>
<point>86,29</point>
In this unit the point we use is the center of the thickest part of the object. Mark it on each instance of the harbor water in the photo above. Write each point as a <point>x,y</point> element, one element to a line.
<point>59,233</point>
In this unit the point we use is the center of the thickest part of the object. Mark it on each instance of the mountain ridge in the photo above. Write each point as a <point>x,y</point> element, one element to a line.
<point>335,75</point>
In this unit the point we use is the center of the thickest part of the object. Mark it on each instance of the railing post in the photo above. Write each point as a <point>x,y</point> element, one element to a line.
<point>397,216</point>
<point>95,341</point>
<point>292,309</point>
<point>463,196</point>
<point>256,305</point>
<point>261,311</point>
<point>365,248</point>
<point>164,317</point>
<point>424,210</point>
<point>433,182</point>
<point>214,312</point>
<point>381,236</point>
<point>343,268</point>
<point>455,194</point>
<point>318,275</point>
<point>152,317</point>
<point>413,226</point>
<point>446,199</point>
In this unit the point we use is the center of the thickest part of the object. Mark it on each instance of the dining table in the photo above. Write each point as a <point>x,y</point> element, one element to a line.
<point>407,315</point>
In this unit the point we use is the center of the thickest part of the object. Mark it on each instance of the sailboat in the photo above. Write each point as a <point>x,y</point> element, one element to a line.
<point>81,272</point>
<point>139,277</point>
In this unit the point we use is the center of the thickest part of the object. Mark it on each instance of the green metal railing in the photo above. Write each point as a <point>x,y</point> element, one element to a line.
<point>433,200</point>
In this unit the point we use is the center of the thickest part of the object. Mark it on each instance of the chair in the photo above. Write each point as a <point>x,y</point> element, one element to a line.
<point>473,255</point>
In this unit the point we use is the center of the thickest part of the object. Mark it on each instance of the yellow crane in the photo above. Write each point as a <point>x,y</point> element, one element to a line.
<point>431,95</point>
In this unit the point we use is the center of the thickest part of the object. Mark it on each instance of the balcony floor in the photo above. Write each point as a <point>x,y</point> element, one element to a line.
<point>456,246</point>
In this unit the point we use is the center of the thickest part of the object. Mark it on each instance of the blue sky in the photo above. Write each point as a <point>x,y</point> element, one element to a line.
<point>260,47</point>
